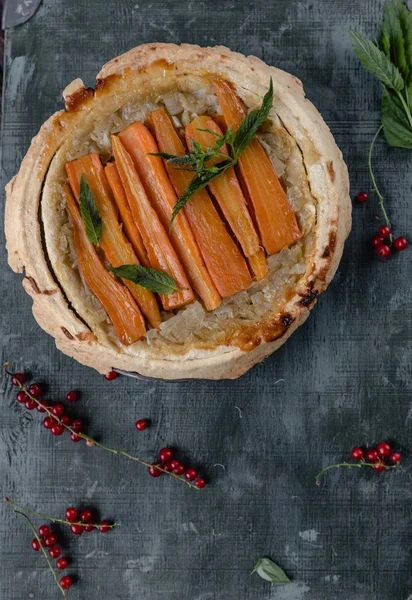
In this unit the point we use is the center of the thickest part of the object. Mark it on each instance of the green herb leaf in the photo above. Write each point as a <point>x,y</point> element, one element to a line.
<point>153,280</point>
<point>396,126</point>
<point>376,61</point>
<point>392,39</point>
<point>270,571</point>
<point>91,218</point>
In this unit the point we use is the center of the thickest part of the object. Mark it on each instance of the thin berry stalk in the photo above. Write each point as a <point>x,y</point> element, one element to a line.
<point>358,465</point>
<point>374,184</point>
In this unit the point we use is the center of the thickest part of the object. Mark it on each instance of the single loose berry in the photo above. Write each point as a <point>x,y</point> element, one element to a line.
<point>395,457</point>
<point>57,410</point>
<point>384,231</point>
<point>362,197</point>
<point>372,455</point>
<point>35,390</point>
<point>383,449</point>
<point>377,240</point>
<point>401,243</point>
<point>86,516</point>
<point>18,379</point>
<point>51,540</point>
<point>30,404</point>
<point>44,531</point>
<point>191,474</point>
<point>383,251</point>
<point>66,582</point>
<point>111,375</point>
<point>178,468</point>
<point>71,514</point>
<point>35,545</point>
<point>379,466</point>
<point>49,422</point>
<point>41,406</point>
<point>142,424</point>
<point>75,438</point>
<point>200,483</point>
<point>165,454</point>
<point>62,563</point>
<point>77,529</point>
<point>57,429</point>
<point>71,396</point>
<point>89,528</point>
<point>54,552</point>
<point>77,425</point>
<point>104,526</point>
<point>357,453</point>
<point>21,397</point>
<point>153,471</point>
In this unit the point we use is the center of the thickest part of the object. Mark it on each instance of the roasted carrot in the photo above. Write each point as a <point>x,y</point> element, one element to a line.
<point>113,243</point>
<point>226,188</point>
<point>275,217</point>
<point>160,251</point>
<point>116,299</point>
<point>258,264</point>
<point>223,259</point>
<point>126,216</point>
<point>139,142</point>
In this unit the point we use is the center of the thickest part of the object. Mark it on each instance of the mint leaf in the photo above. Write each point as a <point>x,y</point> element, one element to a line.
<point>91,218</point>
<point>376,61</point>
<point>392,37</point>
<point>396,126</point>
<point>270,571</point>
<point>151,279</point>
<point>405,19</point>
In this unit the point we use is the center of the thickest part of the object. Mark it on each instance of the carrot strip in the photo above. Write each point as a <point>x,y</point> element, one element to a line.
<point>275,217</point>
<point>139,142</point>
<point>116,299</point>
<point>160,251</point>
<point>126,216</point>
<point>223,259</point>
<point>226,188</point>
<point>258,264</point>
<point>114,243</point>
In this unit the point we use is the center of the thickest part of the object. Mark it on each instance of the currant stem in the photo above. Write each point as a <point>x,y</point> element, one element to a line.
<point>54,519</point>
<point>350,466</point>
<point>374,184</point>
<point>49,562</point>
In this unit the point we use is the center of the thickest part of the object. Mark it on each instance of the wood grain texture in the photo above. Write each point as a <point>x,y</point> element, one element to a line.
<point>345,376</point>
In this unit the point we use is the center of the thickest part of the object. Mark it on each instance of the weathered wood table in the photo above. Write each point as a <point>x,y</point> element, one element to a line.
<point>343,379</point>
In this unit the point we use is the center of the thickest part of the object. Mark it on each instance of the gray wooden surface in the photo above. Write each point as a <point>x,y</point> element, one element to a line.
<point>345,376</point>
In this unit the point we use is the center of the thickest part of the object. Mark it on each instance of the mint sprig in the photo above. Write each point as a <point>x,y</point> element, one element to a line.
<point>91,217</point>
<point>151,279</point>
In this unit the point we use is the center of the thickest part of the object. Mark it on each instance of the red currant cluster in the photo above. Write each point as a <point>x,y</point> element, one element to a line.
<point>49,540</point>
<point>167,463</point>
<point>85,523</point>
<point>377,456</point>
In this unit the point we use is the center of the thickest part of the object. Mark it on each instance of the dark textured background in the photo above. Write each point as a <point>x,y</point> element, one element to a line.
<point>345,376</point>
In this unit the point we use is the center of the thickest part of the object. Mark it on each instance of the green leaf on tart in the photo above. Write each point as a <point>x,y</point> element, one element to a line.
<point>151,279</point>
<point>91,218</point>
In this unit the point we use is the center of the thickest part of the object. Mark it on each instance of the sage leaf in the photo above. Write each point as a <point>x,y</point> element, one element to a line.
<point>151,279</point>
<point>270,571</point>
<point>396,126</point>
<point>376,61</point>
<point>91,218</point>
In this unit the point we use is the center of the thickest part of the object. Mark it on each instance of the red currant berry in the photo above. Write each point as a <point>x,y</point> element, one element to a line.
<point>41,406</point>
<point>58,410</point>
<point>165,454</point>
<point>178,468</point>
<point>44,531</point>
<point>383,251</point>
<point>35,390</point>
<point>395,457</point>
<point>384,231</point>
<point>49,422</point>
<point>71,396</point>
<point>30,404</point>
<point>377,240</point>
<point>77,529</point>
<point>71,514</point>
<point>191,474</point>
<point>104,526</point>
<point>77,425</point>
<point>372,455</point>
<point>362,197</point>
<point>35,545</point>
<point>54,552</point>
<point>62,563</point>
<point>86,516</point>
<point>66,420</point>
<point>111,375</point>
<point>89,528</point>
<point>357,453</point>
<point>174,463</point>
<point>401,243</point>
<point>383,449</point>
<point>153,471</point>
<point>21,397</point>
<point>200,483</point>
<point>66,582</point>
<point>75,438</point>
<point>51,540</point>
<point>142,424</point>
<point>57,429</point>
<point>379,466</point>
<point>18,379</point>
<point>168,466</point>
